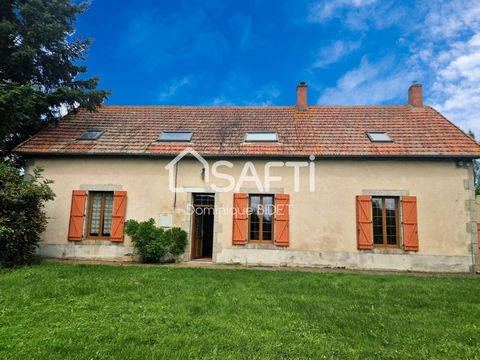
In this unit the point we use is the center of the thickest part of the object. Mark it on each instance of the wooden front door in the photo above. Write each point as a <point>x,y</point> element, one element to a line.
<point>202,225</point>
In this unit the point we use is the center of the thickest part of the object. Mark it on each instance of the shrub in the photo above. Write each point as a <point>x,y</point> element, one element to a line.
<point>22,216</point>
<point>153,244</point>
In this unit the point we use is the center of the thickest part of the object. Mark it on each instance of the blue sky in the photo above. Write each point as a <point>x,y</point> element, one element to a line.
<point>252,52</point>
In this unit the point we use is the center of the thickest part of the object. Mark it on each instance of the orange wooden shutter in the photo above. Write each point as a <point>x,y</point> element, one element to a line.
<point>282,219</point>
<point>118,215</point>
<point>410,225</point>
<point>364,222</point>
<point>240,218</point>
<point>77,215</point>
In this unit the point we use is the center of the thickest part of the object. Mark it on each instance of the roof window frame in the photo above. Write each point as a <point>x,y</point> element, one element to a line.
<point>250,141</point>
<point>100,133</point>
<point>376,141</point>
<point>159,139</point>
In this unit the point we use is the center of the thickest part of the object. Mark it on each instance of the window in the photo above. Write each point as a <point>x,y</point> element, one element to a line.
<point>379,137</point>
<point>175,136</point>
<point>261,212</point>
<point>203,199</point>
<point>261,136</point>
<point>385,221</point>
<point>100,206</point>
<point>90,135</point>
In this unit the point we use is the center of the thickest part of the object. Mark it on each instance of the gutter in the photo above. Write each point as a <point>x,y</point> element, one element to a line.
<point>249,156</point>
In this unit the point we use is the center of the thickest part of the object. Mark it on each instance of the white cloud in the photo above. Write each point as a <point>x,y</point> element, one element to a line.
<point>453,31</point>
<point>357,14</point>
<point>221,101</point>
<point>333,53</point>
<point>448,19</point>
<point>325,10</point>
<point>267,95</point>
<point>443,41</point>
<point>236,84</point>
<point>173,88</point>
<point>369,83</point>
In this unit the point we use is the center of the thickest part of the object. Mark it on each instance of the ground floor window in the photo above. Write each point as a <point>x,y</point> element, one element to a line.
<point>385,221</point>
<point>100,205</point>
<point>261,218</point>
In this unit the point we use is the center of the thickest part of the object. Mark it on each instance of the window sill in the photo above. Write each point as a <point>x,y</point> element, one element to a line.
<point>98,242</point>
<point>261,246</point>
<point>387,251</point>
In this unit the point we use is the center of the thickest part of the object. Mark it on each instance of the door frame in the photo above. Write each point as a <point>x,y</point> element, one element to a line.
<point>194,223</point>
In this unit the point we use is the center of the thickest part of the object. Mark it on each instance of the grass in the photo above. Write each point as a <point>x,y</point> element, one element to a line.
<point>104,312</point>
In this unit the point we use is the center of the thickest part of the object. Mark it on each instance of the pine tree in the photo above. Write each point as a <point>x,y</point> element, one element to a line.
<point>40,63</point>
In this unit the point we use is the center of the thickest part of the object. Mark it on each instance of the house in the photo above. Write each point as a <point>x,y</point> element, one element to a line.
<point>368,187</point>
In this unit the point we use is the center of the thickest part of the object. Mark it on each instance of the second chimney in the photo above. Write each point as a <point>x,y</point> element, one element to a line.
<point>415,98</point>
<point>302,96</point>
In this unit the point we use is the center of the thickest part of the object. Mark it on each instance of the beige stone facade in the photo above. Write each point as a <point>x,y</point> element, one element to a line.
<point>322,223</point>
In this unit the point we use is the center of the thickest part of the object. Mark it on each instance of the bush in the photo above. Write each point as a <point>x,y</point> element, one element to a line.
<point>153,244</point>
<point>22,216</point>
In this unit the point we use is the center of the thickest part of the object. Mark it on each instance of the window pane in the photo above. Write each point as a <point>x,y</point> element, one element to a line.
<point>391,220</point>
<point>378,136</point>
<point>254,218</point>
<point>179,136</point>
<point>96,199</point>
<point>90,135</point>
<point>203,199</point>
<point>377,220</point>
<point>261,137</point>
<point>107,214</point>
<point>267,217</point>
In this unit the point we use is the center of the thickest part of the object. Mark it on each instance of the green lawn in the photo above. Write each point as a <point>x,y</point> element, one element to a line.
<point>102,312</point>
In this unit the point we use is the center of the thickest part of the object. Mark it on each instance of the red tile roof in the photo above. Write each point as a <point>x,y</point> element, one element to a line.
<point>328,131</point>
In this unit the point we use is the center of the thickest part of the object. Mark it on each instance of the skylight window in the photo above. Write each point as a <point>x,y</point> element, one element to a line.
<point>261,136</point>
<point>90,135</point>
<point>175,136</point>
<point>379,137</point>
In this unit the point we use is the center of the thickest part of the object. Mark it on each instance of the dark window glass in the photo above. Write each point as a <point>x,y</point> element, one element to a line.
<point>90,135</point>
<point>261,218</point>
<point>267,217</point>
<point>391,221</point>
<point>255,217</point>
<point>385,220</point>
<point>203,199</point>
<point>176,136</point>
<point>377,220</point>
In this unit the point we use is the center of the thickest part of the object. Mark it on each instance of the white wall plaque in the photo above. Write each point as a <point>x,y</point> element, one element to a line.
<point>165,220</point>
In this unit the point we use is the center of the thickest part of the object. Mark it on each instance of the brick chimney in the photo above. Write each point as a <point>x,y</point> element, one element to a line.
<point>302,96</point>
<point>415,95</point>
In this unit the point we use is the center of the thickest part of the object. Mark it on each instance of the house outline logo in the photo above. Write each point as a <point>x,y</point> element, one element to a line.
<point>172,164</point>
<point>248,174</point>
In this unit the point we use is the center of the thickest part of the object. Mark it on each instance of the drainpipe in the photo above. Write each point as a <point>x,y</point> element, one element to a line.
<point>175,192</point>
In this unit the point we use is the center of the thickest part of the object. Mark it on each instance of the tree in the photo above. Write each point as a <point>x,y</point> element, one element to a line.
<point>40,61</point>
<point>476,168</point>
<point>22,218</point>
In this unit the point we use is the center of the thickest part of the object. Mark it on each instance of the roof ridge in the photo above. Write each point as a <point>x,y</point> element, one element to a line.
<point>251,106</point>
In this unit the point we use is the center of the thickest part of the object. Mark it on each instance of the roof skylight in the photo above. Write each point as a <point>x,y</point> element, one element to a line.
<point>261,136</point>
<point>175,136</point>
<point>379,137</point>
<point>90,135</point>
